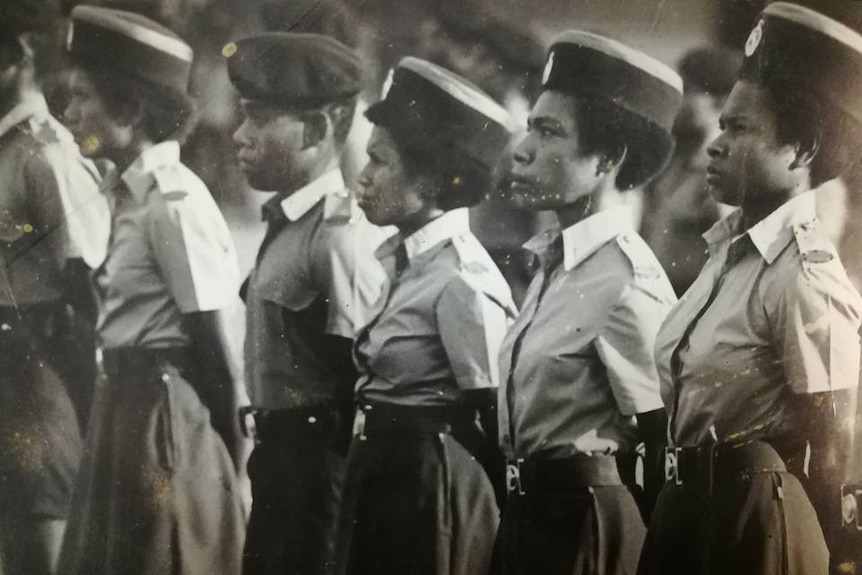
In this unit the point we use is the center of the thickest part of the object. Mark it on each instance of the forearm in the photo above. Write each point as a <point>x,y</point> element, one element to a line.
<point>828,420</point>
<point>652,428</point>
<point>215,382</point>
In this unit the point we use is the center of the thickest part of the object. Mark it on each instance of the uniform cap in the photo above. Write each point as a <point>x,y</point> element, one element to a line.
<point>585,64</point>
<point>796,48</point>
<point>131,44</point>
<point>431,107</point>
<point>293,69</point>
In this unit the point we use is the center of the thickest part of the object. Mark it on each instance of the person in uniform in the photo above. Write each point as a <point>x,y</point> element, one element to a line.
<point>53,225</point>
<point>761,357</point>
<point>315,274</point>
<point>418,499</point>
<point>157,491</point>
<point>581,389</point>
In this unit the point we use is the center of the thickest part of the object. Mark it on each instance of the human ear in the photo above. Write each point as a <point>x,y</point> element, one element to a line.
<point>804,153</point>
<point>611,159</point>
<point>314,130</point>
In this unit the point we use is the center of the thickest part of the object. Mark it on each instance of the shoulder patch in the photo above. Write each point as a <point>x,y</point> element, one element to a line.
<point>340,207</point>
<point>480,272</point>
<point>44,132</point>
<point>814,246</point>
<point>641,257</point>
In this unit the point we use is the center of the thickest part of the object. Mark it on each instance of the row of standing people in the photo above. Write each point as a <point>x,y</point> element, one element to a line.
<point>756,363</point>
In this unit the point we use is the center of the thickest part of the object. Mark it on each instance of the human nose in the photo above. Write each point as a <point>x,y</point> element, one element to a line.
<point>522,150</point>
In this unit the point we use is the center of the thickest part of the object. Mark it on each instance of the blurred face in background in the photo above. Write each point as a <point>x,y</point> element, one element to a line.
<point>696,126</point>
<point>550,168</point>
<point>270,147</point>
<point>389,194</point>
<point>98,132</point>
<point>748,165</point>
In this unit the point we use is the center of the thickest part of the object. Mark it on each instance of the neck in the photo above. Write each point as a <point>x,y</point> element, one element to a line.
<point>588,205</point>
<point>318,170</point>
<point>124,158</point>
<point>419,221</point>
<point>753,214</point>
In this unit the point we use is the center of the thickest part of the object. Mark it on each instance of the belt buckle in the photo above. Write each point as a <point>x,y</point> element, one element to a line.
<point>671,465</point>
<point>513,477</point>
<point>247,423</point>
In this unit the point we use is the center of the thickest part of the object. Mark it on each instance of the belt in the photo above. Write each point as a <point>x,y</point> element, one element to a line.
<point>265,425</point>
<point>125,363</point>
<point>391,419</point>
<point>536,474</point>
<point>689,465</point>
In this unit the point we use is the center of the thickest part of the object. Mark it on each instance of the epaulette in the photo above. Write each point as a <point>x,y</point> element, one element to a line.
<point>814,246</point>
<point>340,207</point>
<point>481,273</point>
<point>43,131</point>
<point>171,182</point>
<point>640,256</point>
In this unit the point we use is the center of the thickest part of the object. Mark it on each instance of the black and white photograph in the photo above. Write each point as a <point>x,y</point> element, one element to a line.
<point>430,287</point>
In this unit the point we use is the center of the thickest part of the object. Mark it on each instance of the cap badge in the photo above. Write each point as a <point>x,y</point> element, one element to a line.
<point>549,66</point>
<point>387,84</point>
<point>754,39</point>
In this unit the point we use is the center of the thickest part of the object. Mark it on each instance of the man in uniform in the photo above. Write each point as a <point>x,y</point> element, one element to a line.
<point>314,275</point>
<point>53,227</point>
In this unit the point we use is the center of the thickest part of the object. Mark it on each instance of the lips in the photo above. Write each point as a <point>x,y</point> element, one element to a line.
<point>521,184</point>
<point>713,175</point>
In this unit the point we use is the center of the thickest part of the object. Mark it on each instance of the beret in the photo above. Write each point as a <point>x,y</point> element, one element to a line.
<point>796,48</point>
<point>129,43</point>
<point>647,91</point>
<point>294,69</point>
<point>431,107</point>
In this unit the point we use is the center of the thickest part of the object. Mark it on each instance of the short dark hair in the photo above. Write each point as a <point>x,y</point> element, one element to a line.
<point>460,180</point>
<point>606,128</point>
<point>167,113</point>
<point>804,118</point>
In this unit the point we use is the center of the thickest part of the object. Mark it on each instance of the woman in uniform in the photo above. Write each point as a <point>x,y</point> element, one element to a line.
<point>581,389</point>
<point>417,499</point>
<point>157,491</point>
<point>760,358</point>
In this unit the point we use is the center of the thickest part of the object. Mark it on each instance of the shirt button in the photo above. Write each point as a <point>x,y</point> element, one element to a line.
<point>166,378</point>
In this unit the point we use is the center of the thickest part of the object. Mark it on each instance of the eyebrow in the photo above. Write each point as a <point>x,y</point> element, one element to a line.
<point>547,121</point>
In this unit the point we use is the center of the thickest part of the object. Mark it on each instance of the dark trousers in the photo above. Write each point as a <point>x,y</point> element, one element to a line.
<point>559,527</point>
<point>296,487</point>
<point>416,504</point>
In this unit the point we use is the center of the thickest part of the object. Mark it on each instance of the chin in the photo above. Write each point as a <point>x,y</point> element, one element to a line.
<point>723,196</point>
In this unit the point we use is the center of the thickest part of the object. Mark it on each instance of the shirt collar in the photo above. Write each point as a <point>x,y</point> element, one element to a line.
<point>585,237</point>
<point>301,201</point>
<point>139,176</point>
<point>452,223</point>
<point>32,104</point>
<point>771,234</point>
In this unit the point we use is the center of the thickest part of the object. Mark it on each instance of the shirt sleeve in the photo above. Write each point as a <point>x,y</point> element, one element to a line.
<point>194,252</point>
<point>626,347</point>
<point>816,322</point>
<point>346,269</point>
<point>472,328</point>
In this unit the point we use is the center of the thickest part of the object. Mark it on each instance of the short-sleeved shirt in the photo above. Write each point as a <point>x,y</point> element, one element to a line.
<point>771,315</point>
<point>578,362</point>
<point>439,328</point>
<point>50,206</point>
<point>170,253</point>
<point>316,276</point>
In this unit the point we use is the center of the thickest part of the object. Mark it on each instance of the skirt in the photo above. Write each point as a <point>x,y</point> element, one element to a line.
<point>561,526</point>
<point>758,524</point>
<point>157,492</point>
<point>415,504</point>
